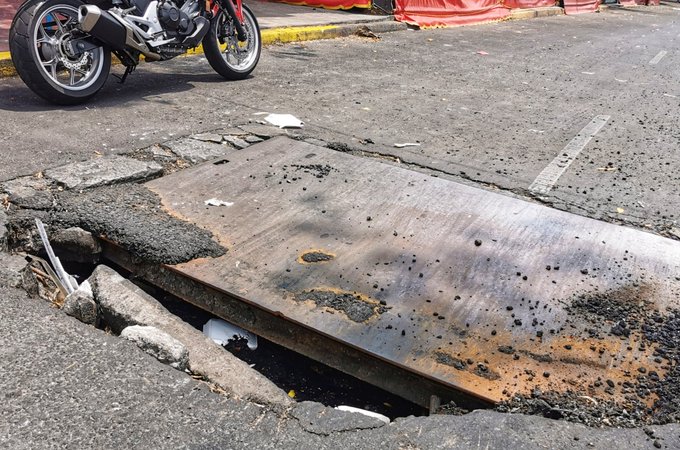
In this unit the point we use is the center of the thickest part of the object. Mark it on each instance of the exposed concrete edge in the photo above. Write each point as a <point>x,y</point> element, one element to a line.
<point>121,304</point>
<point>275,36</point>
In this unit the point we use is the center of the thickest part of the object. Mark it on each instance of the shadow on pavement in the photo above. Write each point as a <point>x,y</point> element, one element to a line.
<point>140,86</point>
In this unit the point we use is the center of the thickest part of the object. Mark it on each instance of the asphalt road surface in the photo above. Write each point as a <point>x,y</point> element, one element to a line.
<point>576,111</point>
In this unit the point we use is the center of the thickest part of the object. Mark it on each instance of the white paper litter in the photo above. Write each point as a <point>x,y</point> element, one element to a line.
<point>364,412</point>
<point>221,332</point>
<point>284,120</point>
<point>216,202</point>
<point>407,144</point>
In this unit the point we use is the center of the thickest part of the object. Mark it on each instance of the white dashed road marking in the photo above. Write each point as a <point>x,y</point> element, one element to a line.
<point>545,180</point>
<point>658,57</point>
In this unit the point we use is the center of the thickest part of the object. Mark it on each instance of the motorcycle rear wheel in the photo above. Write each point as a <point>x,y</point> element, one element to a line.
<point>38,40</point>
<point>229,57</point>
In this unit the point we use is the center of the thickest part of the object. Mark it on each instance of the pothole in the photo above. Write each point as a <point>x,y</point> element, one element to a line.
<point>302,378</point>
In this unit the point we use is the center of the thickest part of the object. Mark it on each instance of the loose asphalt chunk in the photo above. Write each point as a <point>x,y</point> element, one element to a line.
<point>13,270</point>
<point>319,419</point>
<point>29,192</point>
<point>132,216</point>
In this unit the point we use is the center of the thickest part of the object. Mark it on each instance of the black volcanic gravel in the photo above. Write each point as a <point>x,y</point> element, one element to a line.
<point>620,313</point>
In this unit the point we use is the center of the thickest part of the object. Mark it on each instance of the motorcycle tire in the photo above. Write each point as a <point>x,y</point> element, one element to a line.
<point>230,58</point>
<point>38,42</point>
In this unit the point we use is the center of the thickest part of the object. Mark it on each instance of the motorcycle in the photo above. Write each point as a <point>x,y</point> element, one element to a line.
<point>62,49</point>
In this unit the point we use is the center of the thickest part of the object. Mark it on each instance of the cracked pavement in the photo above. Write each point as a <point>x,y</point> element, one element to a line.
<point>493,120</point>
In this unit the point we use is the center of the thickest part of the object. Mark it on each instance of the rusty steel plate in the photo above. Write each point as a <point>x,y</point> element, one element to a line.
<point>471,289</point>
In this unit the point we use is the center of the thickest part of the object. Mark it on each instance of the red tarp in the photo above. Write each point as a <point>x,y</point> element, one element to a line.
<point>572,7</point>
<point>432,13</point>
<point>330,4</point>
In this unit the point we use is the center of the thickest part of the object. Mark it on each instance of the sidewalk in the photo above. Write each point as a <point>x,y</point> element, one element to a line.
<point>269,15</point>
<point>279,22</point>
<point>7,10</point>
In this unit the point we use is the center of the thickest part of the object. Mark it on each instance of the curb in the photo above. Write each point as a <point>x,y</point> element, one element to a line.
<point>294,34</point>
<point>532,13</point>
<point>272,36</point>
<point>6,66</point>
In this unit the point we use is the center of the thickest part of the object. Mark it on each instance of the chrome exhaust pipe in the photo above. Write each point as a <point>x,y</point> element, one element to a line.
<point>111,31</point>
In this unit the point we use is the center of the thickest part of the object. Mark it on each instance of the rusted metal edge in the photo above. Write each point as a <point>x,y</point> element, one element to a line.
<point>415,387</point>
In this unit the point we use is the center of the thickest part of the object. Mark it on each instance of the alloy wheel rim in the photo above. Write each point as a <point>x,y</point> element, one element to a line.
<point>240,56</point>
<point>51,36</point>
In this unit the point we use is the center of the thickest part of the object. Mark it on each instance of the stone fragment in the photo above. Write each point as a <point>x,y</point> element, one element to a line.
<point>195,151</point>
<point>208,137</point>
<point>319,419</point>
<point>253,139</point>
<point>4,230</point>
<point>123,304</point>
<point>263,131</point>
<point>13,270</point>
<point>81,305</point>
<point>236,142</point>
<point>158,344</point>
<point>29,192</point>
<point>108,170</point>
<point>234,131</point>
<point>674,232</point>
<point>76,244</point>
<point>153,152</point>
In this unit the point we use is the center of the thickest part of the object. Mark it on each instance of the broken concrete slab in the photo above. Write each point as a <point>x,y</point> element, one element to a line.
<point>154,152</point>
<point>76,244</point>
<point>234,131</point>
<point>195,151</point>
<point>323,420</point>
<point>208,137</point>
<point>108,170</point>
<point>123,304</point>
<point>263,131</point>
<point>253,139</point>
<point>236,142</point>
<point>29,192</point>
<point>81,305</point>
<point>158,344</point>
<point>13,270</point>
